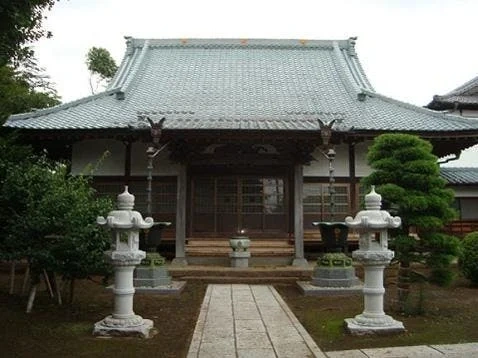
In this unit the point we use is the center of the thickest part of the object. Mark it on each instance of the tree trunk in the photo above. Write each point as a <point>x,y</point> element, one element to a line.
<point>26,279</point>
<point>72,291</point>
<point>31,297</point>
<point>12,278</point>
<point>56,285</point>
<point>47,283</point>
<point>403,284</point>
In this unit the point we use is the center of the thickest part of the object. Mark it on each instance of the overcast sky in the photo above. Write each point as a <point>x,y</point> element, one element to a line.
<point>410,49</point>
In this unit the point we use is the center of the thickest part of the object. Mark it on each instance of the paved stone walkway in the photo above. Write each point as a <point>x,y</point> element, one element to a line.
<point>254,321</point>
<point>248,321</point>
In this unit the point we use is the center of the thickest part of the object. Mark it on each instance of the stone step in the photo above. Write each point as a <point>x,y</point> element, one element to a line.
<point>241,275</point>
<point>245,280</point>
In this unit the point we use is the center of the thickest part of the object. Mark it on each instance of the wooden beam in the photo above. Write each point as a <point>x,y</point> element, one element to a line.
<point>353,179</point>
<point>127,162</point>
<point>180,257</point>
<point>299,259</point>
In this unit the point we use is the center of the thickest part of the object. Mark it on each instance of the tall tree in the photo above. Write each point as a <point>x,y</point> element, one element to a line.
<point>407,176</point>
<point>20,24</point>
<point>23,84</point>
<point>24,91</point>
<point>101,65</point>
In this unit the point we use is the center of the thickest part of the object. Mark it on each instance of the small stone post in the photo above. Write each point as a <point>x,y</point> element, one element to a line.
<point>124,255</point>
<point>373,253</point>
<point>240,253</point>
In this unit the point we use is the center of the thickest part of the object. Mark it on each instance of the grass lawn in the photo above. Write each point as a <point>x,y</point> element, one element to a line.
<point>59,331</point>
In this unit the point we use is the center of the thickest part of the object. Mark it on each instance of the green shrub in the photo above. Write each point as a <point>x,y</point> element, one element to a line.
<point>469,257</point>
<point>439,259</point>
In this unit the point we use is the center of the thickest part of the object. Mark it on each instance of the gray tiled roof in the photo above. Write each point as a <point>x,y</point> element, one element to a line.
<point>241,84</point>
<point>460,175</point>
<point>464,95</point>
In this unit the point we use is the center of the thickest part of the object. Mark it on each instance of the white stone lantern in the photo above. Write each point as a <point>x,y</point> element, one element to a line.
<point>373,253</point>
<point>124,255</point>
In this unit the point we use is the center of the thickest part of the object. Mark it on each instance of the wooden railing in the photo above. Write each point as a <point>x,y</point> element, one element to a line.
<point>461,228</point>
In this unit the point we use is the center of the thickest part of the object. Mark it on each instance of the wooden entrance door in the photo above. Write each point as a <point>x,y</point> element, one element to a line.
<point>223,205</point>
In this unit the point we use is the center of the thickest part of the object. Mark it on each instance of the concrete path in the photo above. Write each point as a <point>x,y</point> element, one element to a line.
<point>254,321</point>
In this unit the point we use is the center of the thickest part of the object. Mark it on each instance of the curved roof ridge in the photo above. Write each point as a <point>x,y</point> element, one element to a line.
<point>124,66</point>
<point>62,106</point>
<point>436,114</point>
<point>460,90</point>
<point>360,71</point>
<point>134,67</point>
<point>344,70</point>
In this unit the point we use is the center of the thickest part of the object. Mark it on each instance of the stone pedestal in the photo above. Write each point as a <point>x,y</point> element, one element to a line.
<point>334,270</point>
<point>123,321</point>
<point>333,275</point>
<point>151,276</point>
<point>373,319</point>
<point>240,258</point>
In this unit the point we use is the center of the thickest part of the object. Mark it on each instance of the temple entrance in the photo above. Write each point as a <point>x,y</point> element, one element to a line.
<point>224,205</point>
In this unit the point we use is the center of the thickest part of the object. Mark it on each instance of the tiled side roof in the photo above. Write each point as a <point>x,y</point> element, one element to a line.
<point>241,84</point>
<point>460,175</point>
<point>465,95</point>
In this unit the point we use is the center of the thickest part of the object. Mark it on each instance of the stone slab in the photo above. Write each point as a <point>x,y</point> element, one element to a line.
<point>458,350</point>
<point>256,353</point>
<point>409,352</point>
<point>346,354</point>
<point>174,288</point>
<point>311,290</point>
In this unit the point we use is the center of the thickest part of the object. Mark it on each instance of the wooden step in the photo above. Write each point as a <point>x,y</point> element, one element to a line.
<point>225,243</point>
<point>258,247</point>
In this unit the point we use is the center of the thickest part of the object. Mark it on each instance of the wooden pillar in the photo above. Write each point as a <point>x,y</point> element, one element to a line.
<point>127,162</point>
<point>299,259</point>
<point>352,179</point>
<point>180,258</point>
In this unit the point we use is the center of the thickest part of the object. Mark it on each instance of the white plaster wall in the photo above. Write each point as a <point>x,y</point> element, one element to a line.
<point>161,164</point>
<point>89,152</point>
<point>362,169</point>
<point>466,191</point>
<point>466,113</point>
<point>320,167</point>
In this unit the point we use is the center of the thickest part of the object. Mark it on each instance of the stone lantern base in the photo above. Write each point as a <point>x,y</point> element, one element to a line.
<point>383,325</point>
<point>111,327</point>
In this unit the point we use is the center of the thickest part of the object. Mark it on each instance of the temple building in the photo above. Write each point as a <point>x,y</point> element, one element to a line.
<point>462,101</point>
<point>245,128</point>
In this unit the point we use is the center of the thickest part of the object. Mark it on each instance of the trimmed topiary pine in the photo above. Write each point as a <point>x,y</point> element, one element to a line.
<point>407,175</point>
